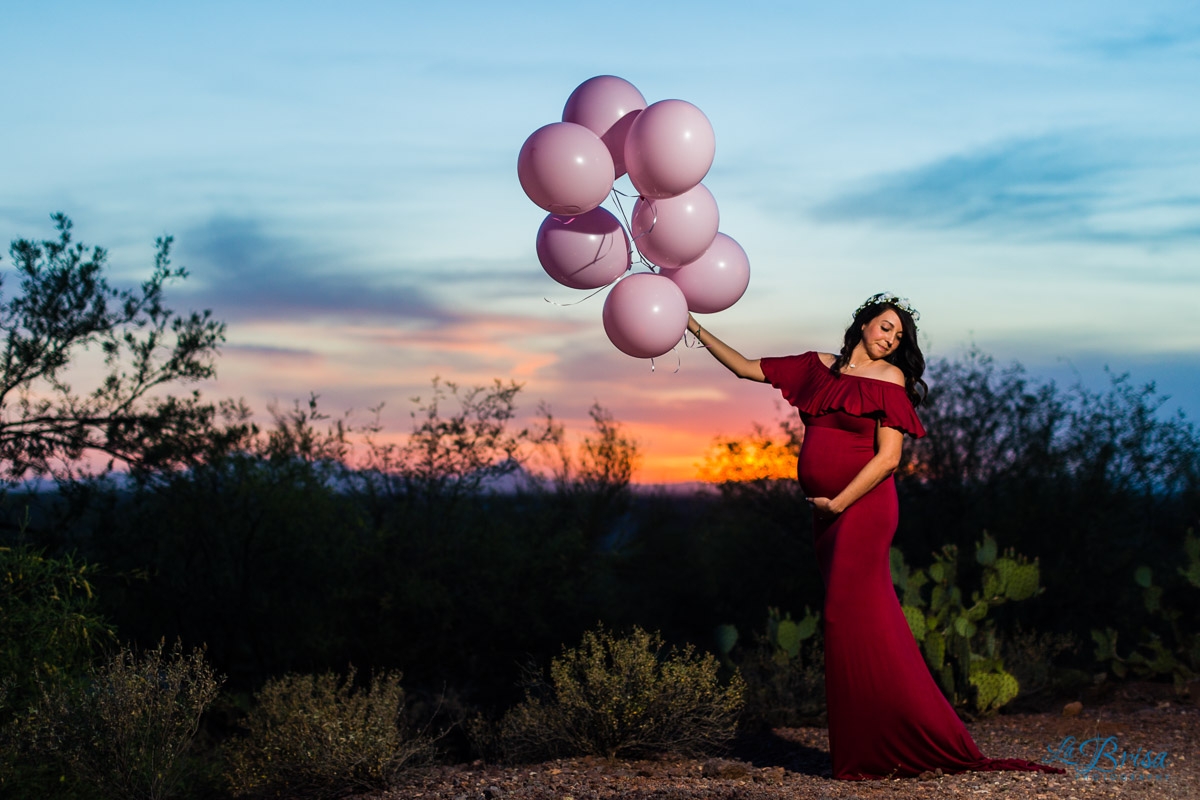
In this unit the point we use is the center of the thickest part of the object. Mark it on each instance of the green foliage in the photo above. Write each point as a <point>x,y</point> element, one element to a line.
<point>958,641</point>
<point>621,697</point>
<point>783,636</point>
<point>1078,477</point>
<point>50,627</point>
<point>783,669</point>
<point>1172,646</point>
<point>317,736</point>
<point>125,732</point>
<point>66,318</point>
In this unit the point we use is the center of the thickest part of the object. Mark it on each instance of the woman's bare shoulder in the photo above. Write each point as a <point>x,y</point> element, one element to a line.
<point>892,374</point>
<point>826,358</point>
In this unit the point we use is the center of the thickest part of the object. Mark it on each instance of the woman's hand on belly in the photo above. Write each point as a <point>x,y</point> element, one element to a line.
<point>823,507</point>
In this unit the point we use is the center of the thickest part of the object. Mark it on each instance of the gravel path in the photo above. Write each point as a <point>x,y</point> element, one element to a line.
<point>1129,749</point>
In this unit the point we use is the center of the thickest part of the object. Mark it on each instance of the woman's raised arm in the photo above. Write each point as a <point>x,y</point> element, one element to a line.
<point>735,362</point>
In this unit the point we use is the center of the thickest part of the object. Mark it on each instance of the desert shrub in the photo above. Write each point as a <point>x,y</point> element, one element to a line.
<point>50,630</point>
<point>783,668</point>
<point>125,731</point>
<point>50,627</point>
<point>623,696</point>
<point>317,736</point>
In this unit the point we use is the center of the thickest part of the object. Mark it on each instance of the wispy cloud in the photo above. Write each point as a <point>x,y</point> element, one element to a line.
<point>268,353</point>
<point>1161,38</point>
<point>243,272</point>
<point>1055,187</point>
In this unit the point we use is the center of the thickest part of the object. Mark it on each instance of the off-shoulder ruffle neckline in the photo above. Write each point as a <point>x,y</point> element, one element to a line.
<point>826,367</point>
<point>866,397</point>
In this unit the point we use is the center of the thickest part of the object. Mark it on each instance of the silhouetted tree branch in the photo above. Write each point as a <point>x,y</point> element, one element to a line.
<point>63,319</point>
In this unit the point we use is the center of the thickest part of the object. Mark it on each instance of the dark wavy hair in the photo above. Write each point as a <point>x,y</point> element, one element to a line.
<point>907,356</point>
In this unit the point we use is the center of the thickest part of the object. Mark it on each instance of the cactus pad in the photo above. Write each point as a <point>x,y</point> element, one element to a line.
<point>916,621</point>
<point>787,637</point>
<point>993,689</point>
<point>1023,581</point>
<point>726,637</point>
<point>985,551</point>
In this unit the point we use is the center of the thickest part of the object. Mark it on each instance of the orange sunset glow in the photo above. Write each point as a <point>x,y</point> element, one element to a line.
<point>753,458</point>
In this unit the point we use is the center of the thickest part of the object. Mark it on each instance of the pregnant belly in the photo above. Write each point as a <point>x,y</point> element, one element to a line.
<point>830,458</point>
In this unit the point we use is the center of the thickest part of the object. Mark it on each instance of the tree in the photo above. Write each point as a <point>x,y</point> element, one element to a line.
<point>66,316</point>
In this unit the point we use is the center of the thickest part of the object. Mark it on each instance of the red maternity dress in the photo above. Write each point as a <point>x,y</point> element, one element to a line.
<point>887,717</point>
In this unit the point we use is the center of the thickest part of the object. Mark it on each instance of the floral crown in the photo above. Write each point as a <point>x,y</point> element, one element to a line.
<point>891,299</point>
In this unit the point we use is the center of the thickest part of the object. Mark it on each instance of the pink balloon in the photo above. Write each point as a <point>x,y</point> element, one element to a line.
<point>673,231</point>
<point>669,148</point>
<point>715,280</point>
<point>645,315</point>
<point>586,251</point>
<point>565,168</point>
<point>607,106</point>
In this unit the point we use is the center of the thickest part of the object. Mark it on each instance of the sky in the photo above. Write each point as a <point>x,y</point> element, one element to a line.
<point>340,181</point>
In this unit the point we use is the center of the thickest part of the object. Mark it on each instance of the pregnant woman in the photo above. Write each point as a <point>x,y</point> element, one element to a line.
<point>887,717</point>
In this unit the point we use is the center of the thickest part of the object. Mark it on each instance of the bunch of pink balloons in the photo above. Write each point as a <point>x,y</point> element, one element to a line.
<point>666,148</point>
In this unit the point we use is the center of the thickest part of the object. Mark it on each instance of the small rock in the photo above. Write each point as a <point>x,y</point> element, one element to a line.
<point>773,775</point>
<point>716,768</point>
<point>1072,709</point>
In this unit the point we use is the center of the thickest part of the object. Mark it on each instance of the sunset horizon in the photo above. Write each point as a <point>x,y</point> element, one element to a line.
<point>343,188</point>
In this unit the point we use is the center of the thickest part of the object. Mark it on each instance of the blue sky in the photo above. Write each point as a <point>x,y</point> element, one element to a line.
<point>341,184</point>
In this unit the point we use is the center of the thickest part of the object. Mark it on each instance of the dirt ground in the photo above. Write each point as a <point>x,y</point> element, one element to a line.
<point>1140,742</point>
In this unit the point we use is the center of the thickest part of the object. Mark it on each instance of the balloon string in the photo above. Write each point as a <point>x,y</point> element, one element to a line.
<point>678,362</point>
<point>584,299</point>
<point>617,194</point>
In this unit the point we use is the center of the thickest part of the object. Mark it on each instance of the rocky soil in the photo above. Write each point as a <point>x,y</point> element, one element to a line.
<point>1140,742</point>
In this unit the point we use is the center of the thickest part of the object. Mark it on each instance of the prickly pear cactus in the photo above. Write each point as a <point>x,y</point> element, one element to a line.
<point>1018,579</point>
<point>787,635</point>
<point>1172,647</point>
<point>726,637</point>
<point>916,621</point>
<point>955,636</point>
<point>994,687</point>
<point>985,551</point>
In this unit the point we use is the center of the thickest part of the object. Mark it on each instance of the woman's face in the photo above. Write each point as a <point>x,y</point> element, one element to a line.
<point>881,336</point>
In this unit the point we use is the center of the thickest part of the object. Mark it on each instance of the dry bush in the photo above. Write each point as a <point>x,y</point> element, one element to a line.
<point>316,736</point>
<point>623,697</point>
<point>125,731</point>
